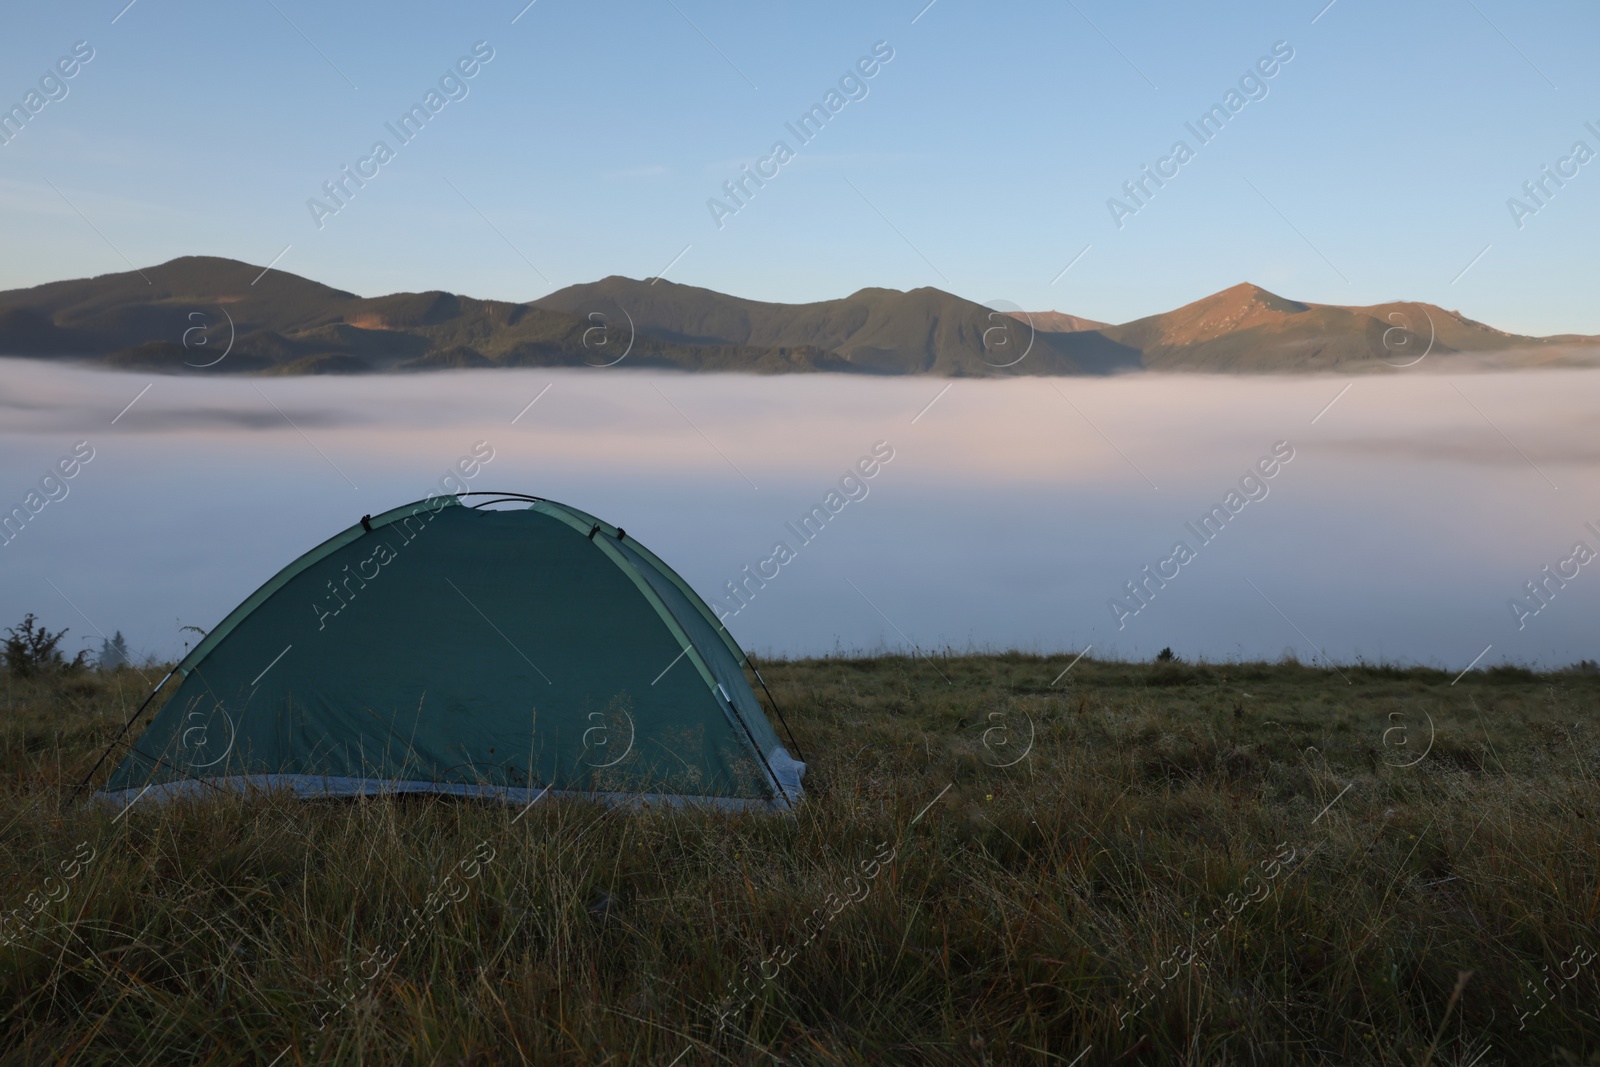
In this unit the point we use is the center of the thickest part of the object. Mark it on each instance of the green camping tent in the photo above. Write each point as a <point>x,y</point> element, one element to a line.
<point>471,650</point>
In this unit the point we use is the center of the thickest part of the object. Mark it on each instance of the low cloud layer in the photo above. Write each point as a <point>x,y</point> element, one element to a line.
<point>1012,513</point>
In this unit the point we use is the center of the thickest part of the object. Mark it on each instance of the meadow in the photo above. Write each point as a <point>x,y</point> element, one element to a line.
<point>1141,863</point>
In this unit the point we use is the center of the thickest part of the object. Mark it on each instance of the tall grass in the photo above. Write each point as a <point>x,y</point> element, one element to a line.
<point>1239,863</point>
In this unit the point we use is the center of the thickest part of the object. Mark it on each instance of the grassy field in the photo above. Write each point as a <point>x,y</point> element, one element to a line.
<point>1149,863</point>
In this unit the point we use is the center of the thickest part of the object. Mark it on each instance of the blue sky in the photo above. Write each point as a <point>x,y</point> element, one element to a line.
<point>1378,165</point>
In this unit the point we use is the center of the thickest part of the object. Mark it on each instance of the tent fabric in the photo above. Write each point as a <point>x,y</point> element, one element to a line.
<point>440,648</point>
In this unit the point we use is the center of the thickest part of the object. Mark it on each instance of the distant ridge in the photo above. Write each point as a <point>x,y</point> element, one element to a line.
<point>874,331</point>
<point>1059,321</point>
<point>183,315</point>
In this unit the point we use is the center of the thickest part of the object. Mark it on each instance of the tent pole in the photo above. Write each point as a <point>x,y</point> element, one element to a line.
<point>125,727</point>
<point>771,700</point>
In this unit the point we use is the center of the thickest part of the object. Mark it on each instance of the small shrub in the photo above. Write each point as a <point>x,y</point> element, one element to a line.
<point>32,649</point>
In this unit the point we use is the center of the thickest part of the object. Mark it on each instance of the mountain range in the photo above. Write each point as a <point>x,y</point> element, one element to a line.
<point>202,314</point>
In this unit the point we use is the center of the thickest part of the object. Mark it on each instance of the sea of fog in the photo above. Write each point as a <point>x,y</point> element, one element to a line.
<point>1396,524</point>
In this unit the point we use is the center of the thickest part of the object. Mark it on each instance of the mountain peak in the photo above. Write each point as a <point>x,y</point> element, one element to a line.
<point>1249,293</point>
<point>1238,307</point>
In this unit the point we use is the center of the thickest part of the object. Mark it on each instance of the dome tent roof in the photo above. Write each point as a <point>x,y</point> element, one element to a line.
<point>452,649</point>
